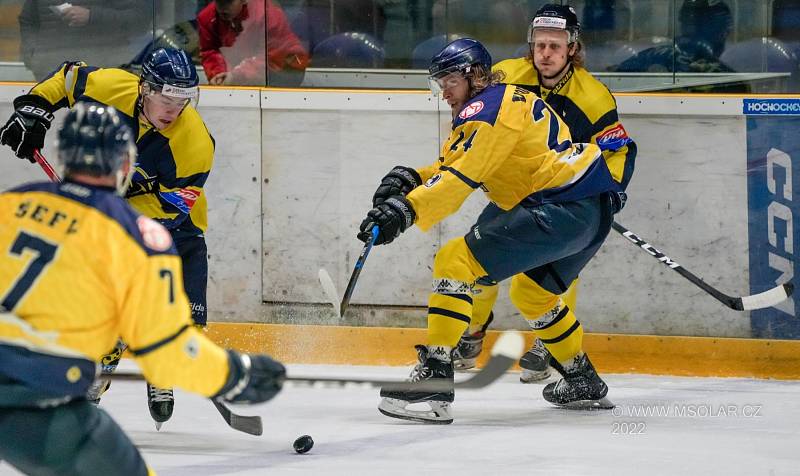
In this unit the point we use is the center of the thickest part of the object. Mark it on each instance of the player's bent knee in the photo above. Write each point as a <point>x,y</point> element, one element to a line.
<point>455,261</point>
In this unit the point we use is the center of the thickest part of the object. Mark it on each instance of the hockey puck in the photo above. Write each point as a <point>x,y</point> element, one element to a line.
<point>303,444</point>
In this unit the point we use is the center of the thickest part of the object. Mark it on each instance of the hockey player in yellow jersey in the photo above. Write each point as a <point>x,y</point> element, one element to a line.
<point>78,269</point>
<point>175,154</point>
<point>551,206</point>
<point>554,70</point>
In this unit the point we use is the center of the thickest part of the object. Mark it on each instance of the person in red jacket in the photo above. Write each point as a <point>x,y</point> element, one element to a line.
<point>232,44</point>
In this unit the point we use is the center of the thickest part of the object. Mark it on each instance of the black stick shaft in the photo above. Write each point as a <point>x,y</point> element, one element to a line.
<point>351,285</point>
<point>758,301</point>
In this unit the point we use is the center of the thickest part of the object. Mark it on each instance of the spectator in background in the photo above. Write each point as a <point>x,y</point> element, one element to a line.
<point>704,28</point>
<point>232,44</point>
<point>97,31</point>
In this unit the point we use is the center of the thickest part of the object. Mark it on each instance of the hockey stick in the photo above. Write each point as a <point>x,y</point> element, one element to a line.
<point>351,285</point>
<point>250,424</point>
<point>506,351</point>
<point>45,165</point>
<point>762,300</point>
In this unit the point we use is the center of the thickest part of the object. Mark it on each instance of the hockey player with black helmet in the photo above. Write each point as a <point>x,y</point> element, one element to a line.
<point>552,202</point>
<point>554,70</point>
<point>175,154</point>
<point>60,312</point>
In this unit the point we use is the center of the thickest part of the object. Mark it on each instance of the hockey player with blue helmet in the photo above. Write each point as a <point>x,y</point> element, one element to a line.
<point>551,205</point>
<point>60,312</point>
<point>175,155</point>
<point>554,69</point>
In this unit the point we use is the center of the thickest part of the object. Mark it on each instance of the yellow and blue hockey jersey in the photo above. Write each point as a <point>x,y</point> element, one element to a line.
<point>79,268</point>
<point>588,108</point>
<point>172,164</point>
<point>510,143</point>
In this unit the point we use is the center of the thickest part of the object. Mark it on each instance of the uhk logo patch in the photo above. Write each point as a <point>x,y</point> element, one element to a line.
<point>613,139</point>
<point>471,110</point>
<point>433,180</point>
<point>154,235</point>
<point>182,199</point>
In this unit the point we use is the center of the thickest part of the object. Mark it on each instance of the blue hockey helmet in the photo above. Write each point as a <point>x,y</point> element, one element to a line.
<point>94,140</point>
<point>458,56</point>
<point>559,17</point>
<point>170,72</point>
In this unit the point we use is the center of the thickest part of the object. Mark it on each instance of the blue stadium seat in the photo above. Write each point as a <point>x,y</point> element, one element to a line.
<point>760,55</point>
<point>349,50</point>
<point>425,51</point>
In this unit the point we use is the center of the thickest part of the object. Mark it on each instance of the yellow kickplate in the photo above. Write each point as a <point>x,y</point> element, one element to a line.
<point>611,353</point>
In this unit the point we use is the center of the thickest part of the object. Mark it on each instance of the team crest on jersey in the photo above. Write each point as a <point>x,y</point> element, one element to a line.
<point>432,181</point>
<point>613,139</point>
<point>142,182</point>
<point>471,109</point>
<point>155,236</point>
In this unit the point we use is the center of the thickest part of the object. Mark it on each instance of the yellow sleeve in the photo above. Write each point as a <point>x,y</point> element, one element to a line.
<point>425,173</point>
<point>156,325</point>
<point>473,152</point>
<point>59,88</point>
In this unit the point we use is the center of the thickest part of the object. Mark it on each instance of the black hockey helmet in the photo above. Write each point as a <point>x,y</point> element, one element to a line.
<point>560,17</point>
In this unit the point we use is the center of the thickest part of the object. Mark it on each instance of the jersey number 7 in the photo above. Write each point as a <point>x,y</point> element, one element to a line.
<point>45,252</point>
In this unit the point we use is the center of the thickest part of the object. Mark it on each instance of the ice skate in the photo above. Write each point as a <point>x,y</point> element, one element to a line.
<point>469,348</point>
<point>108,364</point>
<point>395,402</point>
<point>160,401</point>
<point>580,388</point>
<point>535,363</point>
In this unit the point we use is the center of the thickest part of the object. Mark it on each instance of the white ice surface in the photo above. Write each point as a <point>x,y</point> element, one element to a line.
<point>505,429</point>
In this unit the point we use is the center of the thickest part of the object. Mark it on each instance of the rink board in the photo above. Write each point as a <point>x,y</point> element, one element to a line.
<point>658,355</point>
<point>295,169</point>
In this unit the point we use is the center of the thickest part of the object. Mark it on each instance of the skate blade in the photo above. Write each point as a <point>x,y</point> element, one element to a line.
<point>534,376</point>
<point>158,425</point>
<point>439,414</point>
<point>601,404</point>
<point>462,365</point>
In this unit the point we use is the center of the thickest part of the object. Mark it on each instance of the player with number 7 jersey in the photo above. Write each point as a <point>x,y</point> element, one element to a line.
<point>80,268</point>
<point>551,206</point>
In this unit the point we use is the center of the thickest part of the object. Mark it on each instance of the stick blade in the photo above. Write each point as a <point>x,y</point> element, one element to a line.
<point>329,289</point>
<point>247,424</point>
<point>768,298</point>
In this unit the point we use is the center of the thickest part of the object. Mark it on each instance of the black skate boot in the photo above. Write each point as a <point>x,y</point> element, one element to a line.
<point>535,363</point>
<point>160,401</point>
<point>108,364</point>
<point>580,388</point>
<point>469,348</point>
<point>429,369</point>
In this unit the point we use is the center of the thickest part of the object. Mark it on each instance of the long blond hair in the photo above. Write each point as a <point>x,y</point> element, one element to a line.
<point>479,79</point>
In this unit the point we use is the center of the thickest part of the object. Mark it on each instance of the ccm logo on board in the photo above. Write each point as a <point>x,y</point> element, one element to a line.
<point>783,107</point>
<point>780,219</point>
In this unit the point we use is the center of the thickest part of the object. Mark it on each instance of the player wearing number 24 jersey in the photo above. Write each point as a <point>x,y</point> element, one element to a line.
<point>552,203</point>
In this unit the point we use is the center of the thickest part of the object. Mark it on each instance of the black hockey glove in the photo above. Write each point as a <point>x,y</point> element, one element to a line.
<point>253,378</point>
<point>25,130</point>
<point>393,216</point>
<point>618,200</point>
<point>399,181</point>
